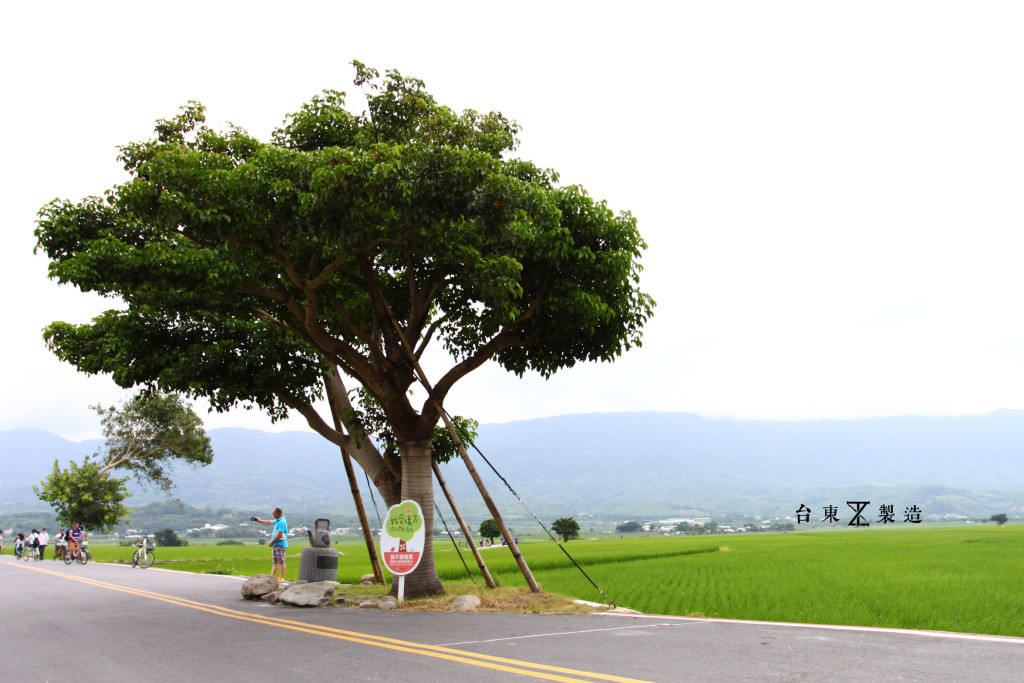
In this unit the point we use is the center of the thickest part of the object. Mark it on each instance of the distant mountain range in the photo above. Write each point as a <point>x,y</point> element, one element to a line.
<point>618,466</point>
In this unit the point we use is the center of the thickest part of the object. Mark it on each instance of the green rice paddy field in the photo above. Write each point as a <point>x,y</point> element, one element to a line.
<point>964,578</point>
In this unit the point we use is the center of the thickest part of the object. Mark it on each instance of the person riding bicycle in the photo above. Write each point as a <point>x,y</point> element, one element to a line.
<point>75,535</point>
<point>19,546</point>
<point>60,545</point>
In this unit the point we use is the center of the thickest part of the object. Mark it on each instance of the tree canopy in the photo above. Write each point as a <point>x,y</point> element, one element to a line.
<point>169,538</point>
<point>489,529</point>
<point>257,273</point>
<point>85,494</point>
<point>566,527</point>
<point>151,432</point>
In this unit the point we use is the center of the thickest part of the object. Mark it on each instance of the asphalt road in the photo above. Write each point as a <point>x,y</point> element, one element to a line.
<point>122,624</point>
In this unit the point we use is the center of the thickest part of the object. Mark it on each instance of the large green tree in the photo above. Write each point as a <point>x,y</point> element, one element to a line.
<point>258,273</point>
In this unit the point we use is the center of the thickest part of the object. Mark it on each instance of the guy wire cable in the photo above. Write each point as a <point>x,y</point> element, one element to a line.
<point>523,502</point>
<point>369,486</point>
<point>458,552</point>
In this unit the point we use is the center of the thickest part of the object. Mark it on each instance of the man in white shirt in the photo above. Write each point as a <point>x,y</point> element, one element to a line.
<point>44,540</point>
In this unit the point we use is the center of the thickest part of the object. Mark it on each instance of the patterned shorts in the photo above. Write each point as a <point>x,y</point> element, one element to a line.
<point>278,554</point>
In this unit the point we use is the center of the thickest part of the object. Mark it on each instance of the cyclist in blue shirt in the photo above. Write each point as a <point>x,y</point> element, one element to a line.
<point>278,542</point>
<point>74,535</point>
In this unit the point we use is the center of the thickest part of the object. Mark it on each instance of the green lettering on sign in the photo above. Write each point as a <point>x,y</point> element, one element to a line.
<point>404,521</point>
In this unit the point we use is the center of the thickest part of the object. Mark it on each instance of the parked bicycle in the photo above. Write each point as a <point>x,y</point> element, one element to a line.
<point>81,555</point>
<point>144,556</point>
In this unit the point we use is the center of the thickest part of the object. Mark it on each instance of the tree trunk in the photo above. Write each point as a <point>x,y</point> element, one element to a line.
<point>418,485</point>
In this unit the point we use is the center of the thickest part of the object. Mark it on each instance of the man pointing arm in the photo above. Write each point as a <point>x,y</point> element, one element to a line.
<point>278,541</point>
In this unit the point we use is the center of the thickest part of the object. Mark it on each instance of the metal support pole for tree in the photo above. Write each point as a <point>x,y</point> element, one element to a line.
<point>509,539</point>
<point>465,528</point>
<point>371,548</point>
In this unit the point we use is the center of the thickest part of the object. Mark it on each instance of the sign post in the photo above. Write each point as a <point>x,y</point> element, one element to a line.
<point>401,541</point>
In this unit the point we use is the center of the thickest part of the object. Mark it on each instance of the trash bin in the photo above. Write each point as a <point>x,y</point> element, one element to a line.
<point>318,564</point>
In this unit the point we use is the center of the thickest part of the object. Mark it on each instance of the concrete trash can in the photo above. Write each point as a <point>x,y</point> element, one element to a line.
<point>318,564</point>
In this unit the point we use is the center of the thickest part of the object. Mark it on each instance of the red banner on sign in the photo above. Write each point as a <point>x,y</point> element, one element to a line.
<point>401,563</point>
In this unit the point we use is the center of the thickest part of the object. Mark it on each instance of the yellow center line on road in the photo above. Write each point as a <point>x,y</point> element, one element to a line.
<point>488,661</point>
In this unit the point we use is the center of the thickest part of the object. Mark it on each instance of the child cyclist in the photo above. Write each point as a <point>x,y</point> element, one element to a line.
<point>60,545</point>
<point>19,546</point>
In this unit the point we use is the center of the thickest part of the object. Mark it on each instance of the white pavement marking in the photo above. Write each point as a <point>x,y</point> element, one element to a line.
<point>834,627</point>
<point>559,633</point>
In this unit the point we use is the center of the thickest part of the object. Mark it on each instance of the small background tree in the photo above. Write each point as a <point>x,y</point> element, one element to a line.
<point>86,494</point>
<point>629,527</point>
<point>489,529</point>
<point>169,538</point>
<point>999,519</point>
<point>143,436</point>
<point>567,528</point>
<point>150,432</point>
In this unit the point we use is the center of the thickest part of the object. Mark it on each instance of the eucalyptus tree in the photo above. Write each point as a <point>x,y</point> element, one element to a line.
<point>247,271</point>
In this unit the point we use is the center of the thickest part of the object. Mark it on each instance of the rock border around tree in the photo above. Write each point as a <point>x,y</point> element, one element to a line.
<point>328,593</point>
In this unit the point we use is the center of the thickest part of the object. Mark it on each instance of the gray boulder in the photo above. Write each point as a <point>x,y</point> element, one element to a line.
<point>316,594</point>
<point>464,603</point>
<point>258,585</point>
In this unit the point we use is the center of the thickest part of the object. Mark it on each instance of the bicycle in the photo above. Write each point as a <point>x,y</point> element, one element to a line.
<point>31,553</point>
<point>144,556</point>
<point>81,555</point>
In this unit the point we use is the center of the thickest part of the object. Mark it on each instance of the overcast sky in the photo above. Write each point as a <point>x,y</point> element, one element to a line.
<point>831,192</point>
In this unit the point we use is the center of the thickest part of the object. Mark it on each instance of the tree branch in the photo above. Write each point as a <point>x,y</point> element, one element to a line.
<point>364,452</point>
<point>317,423</point>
